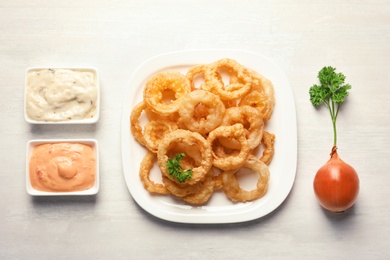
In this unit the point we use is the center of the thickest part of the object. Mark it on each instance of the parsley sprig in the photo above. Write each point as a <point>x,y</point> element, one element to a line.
<point>175,169</point>
<point>332,92</point>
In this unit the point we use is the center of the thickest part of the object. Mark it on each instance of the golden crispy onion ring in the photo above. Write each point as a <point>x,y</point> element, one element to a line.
<point>192,139</point>
<point>269,143</point>
<point>195,71</point>
<point>234,69</point>
<point>152,116</point>
<point>222,151</point>
<point>259,101</point>
<point>201,111</point>
<point>192,159</point>
<point>249,117</point>
<point>232,188</point>
<point>155,131</point>
<point>144,172</point>
<point>181,189</point>
<point>218,184</point>
<point>204,193</point>
<point>233,161</point>
<point>263,84</point>
<point>135,125</point>
<point>171,82</point>
<point>261,96</point>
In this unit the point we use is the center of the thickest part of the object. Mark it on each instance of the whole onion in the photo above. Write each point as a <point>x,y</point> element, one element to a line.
<point>336,184</point>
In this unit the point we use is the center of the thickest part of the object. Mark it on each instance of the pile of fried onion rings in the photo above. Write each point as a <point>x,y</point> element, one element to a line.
<point>216,114</point>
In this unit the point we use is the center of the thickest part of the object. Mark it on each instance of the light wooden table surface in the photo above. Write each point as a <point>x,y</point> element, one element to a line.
<point>116,37</point>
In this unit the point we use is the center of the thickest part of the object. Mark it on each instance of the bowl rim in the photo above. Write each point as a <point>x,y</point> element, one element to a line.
<point>91,120</point>
<point>89,141</point>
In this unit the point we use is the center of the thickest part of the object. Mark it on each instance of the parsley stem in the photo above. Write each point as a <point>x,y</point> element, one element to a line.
<point>334,132</point>
<point>333,115</point>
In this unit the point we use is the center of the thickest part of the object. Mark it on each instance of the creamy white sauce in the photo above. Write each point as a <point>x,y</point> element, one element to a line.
<point>61,94</point>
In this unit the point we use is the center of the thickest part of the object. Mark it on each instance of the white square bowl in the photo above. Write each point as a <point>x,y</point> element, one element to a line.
<point>34,192</point>
<point>90,120</point>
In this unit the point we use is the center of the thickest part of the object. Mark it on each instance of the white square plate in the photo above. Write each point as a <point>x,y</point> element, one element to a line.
<point>34,192</point>
<point>218,209</point>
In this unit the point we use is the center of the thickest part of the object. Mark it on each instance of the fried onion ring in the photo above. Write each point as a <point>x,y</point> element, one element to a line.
<point>234,69</point>
<point>259,101</point>
<point>244,115</point>
<point>189,138</point>
<point>135,125</point>
<point>144,172</point>
<point>223,151</point>
<point>261,96</point>
<point>263,84</point>
<point>191,160</point>
<point>232,188</point>
<point>154,116</point>
<point>155,131</point>
<point>232,161</point>
<point>168,81</point>
<point>201,111</point>
<point>269,143</point>
<point>204,193</point>
<point>199,70</point>
<point>218,184</point>
<point>180,189</point>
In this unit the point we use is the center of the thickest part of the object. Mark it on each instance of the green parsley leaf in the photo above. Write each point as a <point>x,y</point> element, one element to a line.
<point>332,92</point>
<point>340,94</point>
<point>175,169</point>
<point>318,94</point>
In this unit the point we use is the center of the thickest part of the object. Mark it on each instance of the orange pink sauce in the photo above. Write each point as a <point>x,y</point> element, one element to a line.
<point>62,167</point>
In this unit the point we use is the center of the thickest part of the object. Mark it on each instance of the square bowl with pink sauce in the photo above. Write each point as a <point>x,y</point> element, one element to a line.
<point>62,167</point>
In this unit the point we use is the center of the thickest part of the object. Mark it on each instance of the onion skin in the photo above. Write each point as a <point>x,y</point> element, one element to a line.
<point>336,184</point>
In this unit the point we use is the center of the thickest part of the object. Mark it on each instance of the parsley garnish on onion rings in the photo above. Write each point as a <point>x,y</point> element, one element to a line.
<point>175,169</point>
